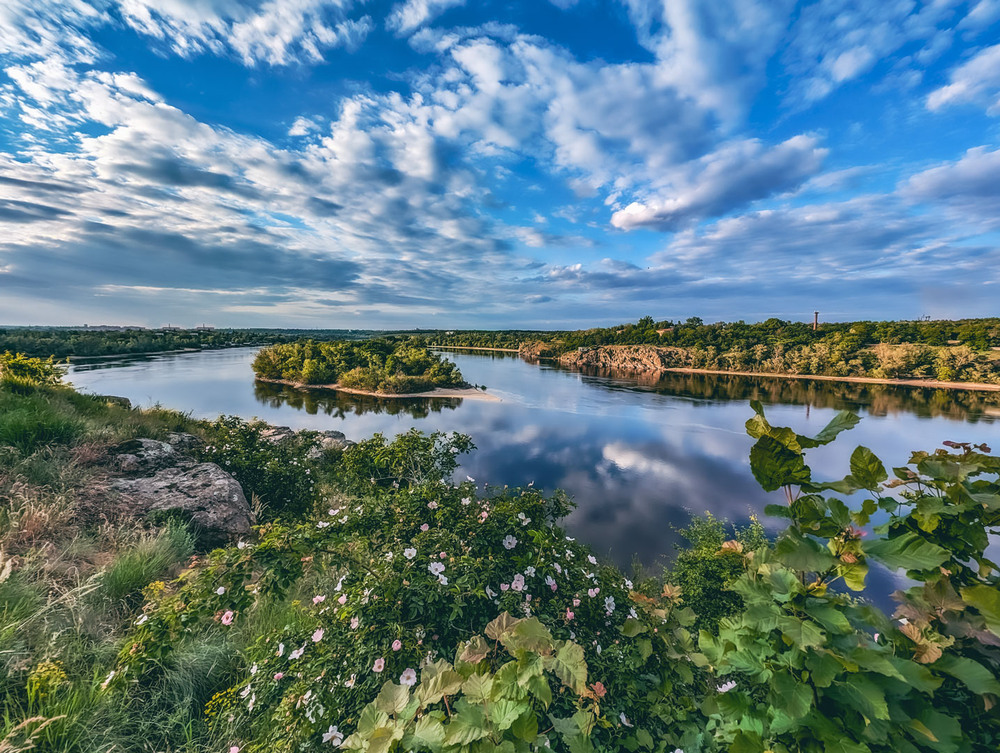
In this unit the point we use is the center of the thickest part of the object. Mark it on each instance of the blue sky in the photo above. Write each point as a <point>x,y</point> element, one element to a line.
<point>449,163</point>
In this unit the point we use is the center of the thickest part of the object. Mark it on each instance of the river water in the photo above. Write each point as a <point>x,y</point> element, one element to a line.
<point>639,456</point>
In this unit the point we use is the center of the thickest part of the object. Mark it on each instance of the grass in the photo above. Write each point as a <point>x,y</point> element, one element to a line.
<point>73,564</point>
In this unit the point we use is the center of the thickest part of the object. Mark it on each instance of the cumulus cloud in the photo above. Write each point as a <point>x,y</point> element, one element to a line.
<point>975,81</point>
<point>729,178</point>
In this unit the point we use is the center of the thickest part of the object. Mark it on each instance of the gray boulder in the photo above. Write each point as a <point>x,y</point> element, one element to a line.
<point>184,442</point>
<point>203,494</point>
<point>146,456</point>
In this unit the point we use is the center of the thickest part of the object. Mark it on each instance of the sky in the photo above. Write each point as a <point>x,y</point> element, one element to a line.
<point>480,164</point>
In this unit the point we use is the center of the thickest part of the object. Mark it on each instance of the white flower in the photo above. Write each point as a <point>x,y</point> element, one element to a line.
<point>409,553</point>
<point>350,682</point>
<point>333,736</point>
<point>281,649</point>
<point>433,505</point>
<point>241,545</point>
<point>509,542</point>
<point>591,559</point>
<point>624,719</point>
<point>470,479</point>
<point>443,580</point>
<point>220,590</point>
<point>529,571</point>
<point>318,635</point>
<point>609,604</point>
<point>490,592</point>
<point>145,617</point>
<point>297,653</point>
<point>408,678</point>
<point>466,501</point>
<point>323,524</point>
<point>108,679</point>
<point>726,686</point>
<point>436,568</point>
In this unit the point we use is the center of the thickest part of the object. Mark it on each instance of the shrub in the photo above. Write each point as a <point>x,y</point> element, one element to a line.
<point>19,373</point>
<point>279,474</point>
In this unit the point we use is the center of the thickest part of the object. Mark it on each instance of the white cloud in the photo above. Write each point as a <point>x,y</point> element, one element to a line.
<point>409,16</point>
<point>729,178</point>
<point>977,80</point>
<point>968,187</point>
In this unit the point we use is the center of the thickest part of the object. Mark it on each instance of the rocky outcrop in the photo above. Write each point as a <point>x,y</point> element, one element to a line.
<point>627,358</point>
<point>536,349</point>
<point>325,440</point>
<point>201,493</point>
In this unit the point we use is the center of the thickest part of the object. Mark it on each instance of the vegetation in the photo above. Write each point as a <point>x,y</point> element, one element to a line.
<point>957,351</point>
<point>390,366</point>
<point>402,611</point>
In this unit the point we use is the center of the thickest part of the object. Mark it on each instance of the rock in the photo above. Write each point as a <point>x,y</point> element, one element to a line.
<point>628,358</point>
<point>277,434</point>
<point>145,456</point>
<point>184,442</point>
<point>328,440</point>
<point>203,494</point>
<point>536,349</point>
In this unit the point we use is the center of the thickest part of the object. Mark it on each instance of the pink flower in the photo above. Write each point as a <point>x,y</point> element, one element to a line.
<point>318,599</point>
<point>442,555</point>
<point>483,516</point>
<point>505,586</point>
<point>354,623</point>
<point>576,602</point>
<point>592,592</point>
<point>234,749</point>
<point>342,599</point>
<point>425,527</point>
<point>278,675</point>
<point>397,644</point>
<point>379,665</point>
<point>569,614</point>
<point>227,617</point>
<point>318,635</point>
<point>433,505</point>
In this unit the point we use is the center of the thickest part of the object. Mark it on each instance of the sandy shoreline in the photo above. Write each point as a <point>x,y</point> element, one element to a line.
<point>467,392</point>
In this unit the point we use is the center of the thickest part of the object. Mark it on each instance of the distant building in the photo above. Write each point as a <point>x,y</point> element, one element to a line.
<point>170,328</point>
<point>204,328</point>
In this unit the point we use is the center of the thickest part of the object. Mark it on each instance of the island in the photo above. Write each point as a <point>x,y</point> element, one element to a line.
<point>384,367</point>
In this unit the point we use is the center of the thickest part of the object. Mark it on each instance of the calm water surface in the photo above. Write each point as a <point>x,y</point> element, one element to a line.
<point>638,456</point>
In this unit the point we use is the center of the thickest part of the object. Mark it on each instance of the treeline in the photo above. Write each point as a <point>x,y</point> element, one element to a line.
<point>386,365</point>
<point>945,350</point>
<point>75,342</point>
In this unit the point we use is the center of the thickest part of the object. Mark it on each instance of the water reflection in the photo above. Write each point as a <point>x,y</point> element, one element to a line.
<point>639,456</point>
<point>875,399</point>
<point>342,404</point>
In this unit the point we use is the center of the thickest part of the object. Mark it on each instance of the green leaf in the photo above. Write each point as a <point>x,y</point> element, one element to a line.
<point>392,698</point>
<point>569,665</point>
<point>528,635</point>
<point>946,731</point>
<point>976,677</point>
<point>866,696</point>
<point>801,633</point>
<point>525,727</point>
<point>466,725</point>
<point>829,617</point>
<point>478,688</point>
<point>801,553</point>
<point>504,713</point>
<point>843,421</point>
<point>987,601</point>
<point>908,551</point>
<point>867,469</point>
<point>791,695</point>
<point>774,465</point>
<point>632,627</point>
<point>475,650</point>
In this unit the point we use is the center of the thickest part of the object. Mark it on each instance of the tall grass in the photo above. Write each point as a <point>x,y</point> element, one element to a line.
<point>151,558</point>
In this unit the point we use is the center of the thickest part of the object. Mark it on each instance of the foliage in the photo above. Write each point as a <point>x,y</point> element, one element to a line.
<point>278,473</point>
<point>705,568</point>
<point>67,341</point>
<point>19,373</point>
<point>381,365</point>
<point>946,350</point>
<point>814,668</point>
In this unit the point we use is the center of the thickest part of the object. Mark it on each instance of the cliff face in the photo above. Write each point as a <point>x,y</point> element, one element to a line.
<point>632,358</point>
<point>535,349</point>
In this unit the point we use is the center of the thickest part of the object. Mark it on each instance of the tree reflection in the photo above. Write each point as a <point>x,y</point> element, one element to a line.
<point>875,399</point>
<point>341,404</point>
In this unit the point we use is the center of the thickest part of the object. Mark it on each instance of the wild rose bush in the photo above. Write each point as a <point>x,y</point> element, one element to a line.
<point>397,579</point>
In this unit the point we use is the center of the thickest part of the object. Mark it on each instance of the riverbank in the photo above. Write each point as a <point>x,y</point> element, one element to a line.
<point>634,367</point>
<point>453,392</point>
<point>469,347</point>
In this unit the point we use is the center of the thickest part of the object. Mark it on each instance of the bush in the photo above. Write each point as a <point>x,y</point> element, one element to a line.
<point>19,373</point>
<point>279,474</point>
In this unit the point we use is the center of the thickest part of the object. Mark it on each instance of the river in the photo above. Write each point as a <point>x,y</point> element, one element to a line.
<point>638,456</point>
